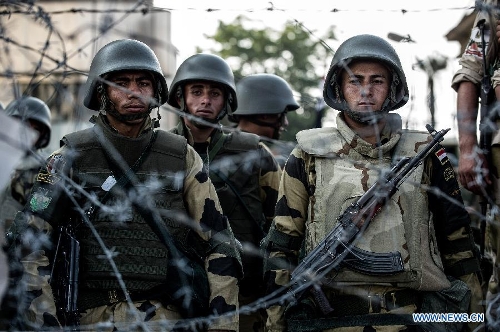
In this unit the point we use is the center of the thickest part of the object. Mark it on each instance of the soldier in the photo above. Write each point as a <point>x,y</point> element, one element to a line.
<point>244,172</point>
<point>134,192</point>
<point>331,167</point>
<point>36,114</point>
<point>475,172</point>
<point>263,102</point>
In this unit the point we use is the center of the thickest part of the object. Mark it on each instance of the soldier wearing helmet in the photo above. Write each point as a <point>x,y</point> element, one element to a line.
<point>263,103</point>
<point>477,83</point>
<point>244,172</point>
<point>35,114</point>
<point>330,168</point>
<point>125,186</point>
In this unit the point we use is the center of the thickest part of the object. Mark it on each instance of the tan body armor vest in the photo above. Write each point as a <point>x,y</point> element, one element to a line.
<point>404,224</point>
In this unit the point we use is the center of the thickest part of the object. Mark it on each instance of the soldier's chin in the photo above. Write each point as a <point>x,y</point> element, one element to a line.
<point>365,117</point>
<point>203,125</point>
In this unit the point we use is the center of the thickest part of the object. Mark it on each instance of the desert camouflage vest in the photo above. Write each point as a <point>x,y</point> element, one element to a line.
<point>142,258</point>
<point>343,173</point>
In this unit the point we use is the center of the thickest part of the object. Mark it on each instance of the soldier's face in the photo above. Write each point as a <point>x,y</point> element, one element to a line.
<point>204,99</point>
<point>131,92</point>
<point>366,86</point>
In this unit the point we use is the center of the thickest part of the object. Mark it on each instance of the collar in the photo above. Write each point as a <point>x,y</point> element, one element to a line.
<point>389,137</point>
<point>183,130</point>
<point>147,125</point>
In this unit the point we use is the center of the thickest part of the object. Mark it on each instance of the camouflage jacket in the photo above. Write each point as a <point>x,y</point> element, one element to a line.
<point>298,189</point>
<point>16,193</point>
<point>246,177</point>
<point>471,61</point>
<point>49,202</point>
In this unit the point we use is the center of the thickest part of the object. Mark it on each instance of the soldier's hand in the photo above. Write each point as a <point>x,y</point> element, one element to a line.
<point>473,172</point>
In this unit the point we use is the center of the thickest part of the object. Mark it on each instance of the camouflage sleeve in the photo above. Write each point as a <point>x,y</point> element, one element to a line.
<point>471,61</point>
<point>286,234</point>
<point>41,308</point>
<point>269,181</point>
<point>30,242</point>
<point>222,263</point>
<point>21,184</point>
<point>14,197</point>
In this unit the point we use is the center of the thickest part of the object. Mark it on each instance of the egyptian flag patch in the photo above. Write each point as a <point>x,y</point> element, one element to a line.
<point>441,155</point>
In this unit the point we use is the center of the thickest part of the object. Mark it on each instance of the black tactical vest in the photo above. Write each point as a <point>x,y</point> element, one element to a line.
<point>235,173</point>
<point>141,257</point>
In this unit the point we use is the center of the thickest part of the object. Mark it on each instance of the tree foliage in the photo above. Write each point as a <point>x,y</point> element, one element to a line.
<point>292,53</point>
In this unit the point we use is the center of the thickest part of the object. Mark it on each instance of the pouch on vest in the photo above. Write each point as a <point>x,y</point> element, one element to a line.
<point>187,285</point>
<point>455,299</point>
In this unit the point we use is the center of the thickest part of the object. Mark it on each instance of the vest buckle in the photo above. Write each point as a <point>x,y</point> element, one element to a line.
<point>113,296</point>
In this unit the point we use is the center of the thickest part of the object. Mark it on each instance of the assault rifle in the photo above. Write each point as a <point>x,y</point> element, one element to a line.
<point>64,276</point>
<point>338,244</point>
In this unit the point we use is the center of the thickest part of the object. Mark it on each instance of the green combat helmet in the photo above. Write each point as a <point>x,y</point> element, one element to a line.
<point>31,108</point>
<point>124,54</point>
<point>204,67</point>
<point>264,94</point>
<point>365,47</point>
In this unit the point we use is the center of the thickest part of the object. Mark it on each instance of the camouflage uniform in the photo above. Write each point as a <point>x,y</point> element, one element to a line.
<point>35,114</point>
<point>201,204</point>
<point>471,70</point>
<point>16,193</point>
<point>255,174</point>
<point>296,227</point>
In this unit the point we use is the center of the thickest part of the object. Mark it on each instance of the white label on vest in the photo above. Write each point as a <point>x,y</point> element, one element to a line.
<point>109,183</point>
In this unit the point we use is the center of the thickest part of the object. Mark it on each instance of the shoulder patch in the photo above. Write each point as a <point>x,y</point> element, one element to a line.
<point>40,200</point>
<point>441,155</point>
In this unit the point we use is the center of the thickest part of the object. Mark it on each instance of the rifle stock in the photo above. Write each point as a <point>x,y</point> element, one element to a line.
<point>338,243</point>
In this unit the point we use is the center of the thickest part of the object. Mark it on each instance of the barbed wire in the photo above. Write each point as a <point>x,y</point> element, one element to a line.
<point>60,69</point>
